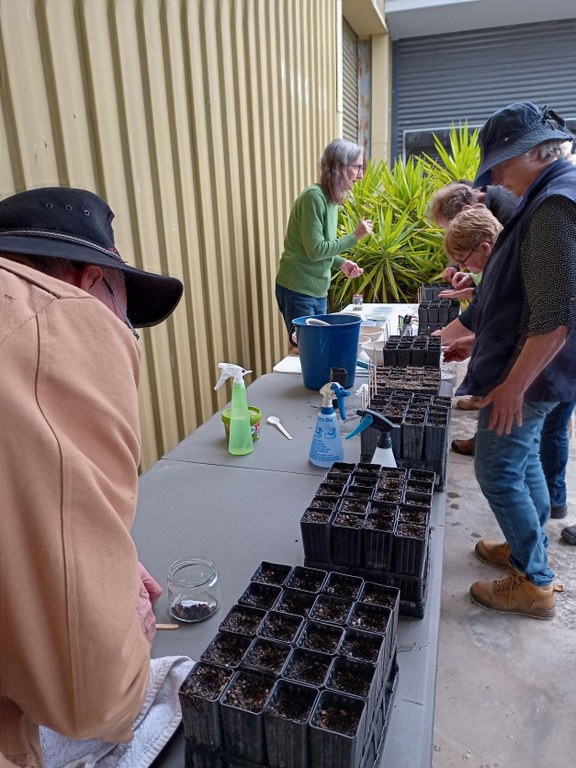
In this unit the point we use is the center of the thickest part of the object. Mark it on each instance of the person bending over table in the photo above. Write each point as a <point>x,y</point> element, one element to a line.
<point>75,605</point>
<point>523,358</point>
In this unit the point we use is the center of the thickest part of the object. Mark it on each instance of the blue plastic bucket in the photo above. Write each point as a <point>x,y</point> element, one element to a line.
<point>323,347</point>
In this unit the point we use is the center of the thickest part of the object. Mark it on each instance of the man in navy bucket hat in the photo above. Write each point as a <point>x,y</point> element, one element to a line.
<point>76,613</point>
<point>523,361</point>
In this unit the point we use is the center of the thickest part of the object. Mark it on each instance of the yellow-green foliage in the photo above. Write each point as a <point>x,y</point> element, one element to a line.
<point>405,249</point>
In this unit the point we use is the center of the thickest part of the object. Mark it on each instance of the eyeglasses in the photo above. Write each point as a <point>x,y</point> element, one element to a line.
<point>462,262</point>
<point>357,168</point>
<point>123,314</point>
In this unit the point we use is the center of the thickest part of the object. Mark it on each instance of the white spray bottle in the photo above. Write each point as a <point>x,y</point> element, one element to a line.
<point>383,454</point>
<point>240,440</point>
<point>326,445</point>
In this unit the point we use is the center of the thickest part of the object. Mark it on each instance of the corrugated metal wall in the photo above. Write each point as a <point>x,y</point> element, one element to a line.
<point>199,121</point>
<point>349,83</point>
<point>444,79</point>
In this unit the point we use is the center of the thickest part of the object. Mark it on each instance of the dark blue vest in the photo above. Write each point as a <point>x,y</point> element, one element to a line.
<point>501,301</point>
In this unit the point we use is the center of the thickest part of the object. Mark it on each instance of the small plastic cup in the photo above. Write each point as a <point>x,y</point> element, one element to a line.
<point>255,419</point>
<point>193,589</point>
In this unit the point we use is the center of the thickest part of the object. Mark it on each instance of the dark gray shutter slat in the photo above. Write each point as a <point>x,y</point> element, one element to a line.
<point>445,79</point>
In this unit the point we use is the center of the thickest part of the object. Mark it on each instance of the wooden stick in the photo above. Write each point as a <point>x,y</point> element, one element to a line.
<point>167,626</point>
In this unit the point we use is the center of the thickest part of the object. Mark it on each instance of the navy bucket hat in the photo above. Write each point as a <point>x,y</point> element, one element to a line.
<point>514,130</point>
<point>75,224</point>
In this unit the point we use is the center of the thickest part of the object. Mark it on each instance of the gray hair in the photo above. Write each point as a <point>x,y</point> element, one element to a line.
<point>548,150</point>
<point>338,155</point>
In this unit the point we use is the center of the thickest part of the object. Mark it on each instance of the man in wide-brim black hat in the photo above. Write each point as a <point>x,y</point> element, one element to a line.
<point>75,605</point>
<point>523,363</point>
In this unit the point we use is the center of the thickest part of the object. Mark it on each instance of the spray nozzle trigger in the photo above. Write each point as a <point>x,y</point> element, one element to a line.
<point>229,371</point>
<point>373,419</point>
<point>329,390</point>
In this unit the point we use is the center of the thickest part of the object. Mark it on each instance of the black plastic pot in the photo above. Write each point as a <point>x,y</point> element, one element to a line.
<point>357,678</point>
<point>356,493</point>
<point>412,437</point>
<point>347,539</point>
<point>258,595</point>
<point>241,710</point>
<point>333,610</point>
<point>378,540</point>
<point>436,437</point>
<point>364,646</point>
<point>318,636</point>
<point>199,697</point>
<point>415,515</point>
<point>296,602</point>
<point>340,466</point>
<point>342,585</point>
<point>197,756</point>
<point>242,620</point>
<point>355,506</point>
<point>226,649</point>
<point>266,657</point>
<point>305,666</point>
<point>315,530</point>
<point>286,718</point>
<point>380,594</point>
<point>336,733</point>
<point>271,573</point>
<point>410,547</point>
<point>306,579</point>
<point>422,474</point>
<point>330,488</point>
<point>280,626</point>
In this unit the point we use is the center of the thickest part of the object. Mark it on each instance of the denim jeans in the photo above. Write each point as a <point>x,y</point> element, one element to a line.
<point>554,445</point>
<point>510,475</point>
<point>292,305</point>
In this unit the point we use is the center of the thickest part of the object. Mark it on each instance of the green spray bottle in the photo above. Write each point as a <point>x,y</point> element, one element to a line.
<point>240,441</point>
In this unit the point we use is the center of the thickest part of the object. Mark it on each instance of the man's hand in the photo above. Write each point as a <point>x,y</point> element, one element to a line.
<point>507,398</point>
<point>462,280</point>
<point>459,350</point>
<point>351,269</point>
<point>150,591</point>
<point>448,274</point>
<point>506,401</point>
<point>465,293</point>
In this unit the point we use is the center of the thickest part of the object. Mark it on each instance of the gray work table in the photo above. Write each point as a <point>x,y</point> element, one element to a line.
<point>239,511</point>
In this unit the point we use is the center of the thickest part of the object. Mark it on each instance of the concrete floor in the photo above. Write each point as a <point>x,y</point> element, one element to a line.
<point>506,687</point>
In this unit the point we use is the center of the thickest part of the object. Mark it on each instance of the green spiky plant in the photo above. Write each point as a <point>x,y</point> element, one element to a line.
<point>405,248</point>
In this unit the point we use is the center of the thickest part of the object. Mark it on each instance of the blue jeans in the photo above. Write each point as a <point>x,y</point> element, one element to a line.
<point>554,444</point>
<point>292,305</point>
<point>510,475</point>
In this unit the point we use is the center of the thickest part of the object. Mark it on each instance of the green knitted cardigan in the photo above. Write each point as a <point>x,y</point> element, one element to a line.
<point>311,248</point>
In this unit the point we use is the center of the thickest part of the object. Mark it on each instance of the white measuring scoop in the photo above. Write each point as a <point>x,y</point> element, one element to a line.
<point>276,421</point>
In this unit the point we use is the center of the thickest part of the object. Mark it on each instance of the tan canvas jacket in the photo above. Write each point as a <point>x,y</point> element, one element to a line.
<point>72,653</point>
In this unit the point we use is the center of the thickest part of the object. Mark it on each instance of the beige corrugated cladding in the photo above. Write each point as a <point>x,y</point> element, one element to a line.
<point>199,121</point>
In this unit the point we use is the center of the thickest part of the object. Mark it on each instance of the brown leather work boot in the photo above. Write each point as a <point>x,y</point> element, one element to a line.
<point>468,403</point>
<point>515,594</point>
<point>493,552</point>
<point>464,447</point>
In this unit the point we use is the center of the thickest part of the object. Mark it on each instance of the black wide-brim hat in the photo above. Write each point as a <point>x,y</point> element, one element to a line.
<point>514,130</point>
<point>75,224</point>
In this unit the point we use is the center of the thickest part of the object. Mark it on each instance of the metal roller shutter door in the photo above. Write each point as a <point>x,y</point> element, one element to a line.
<point>444,79</point>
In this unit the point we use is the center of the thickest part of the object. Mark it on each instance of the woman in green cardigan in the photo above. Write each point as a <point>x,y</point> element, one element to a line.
<point>311,247</point>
